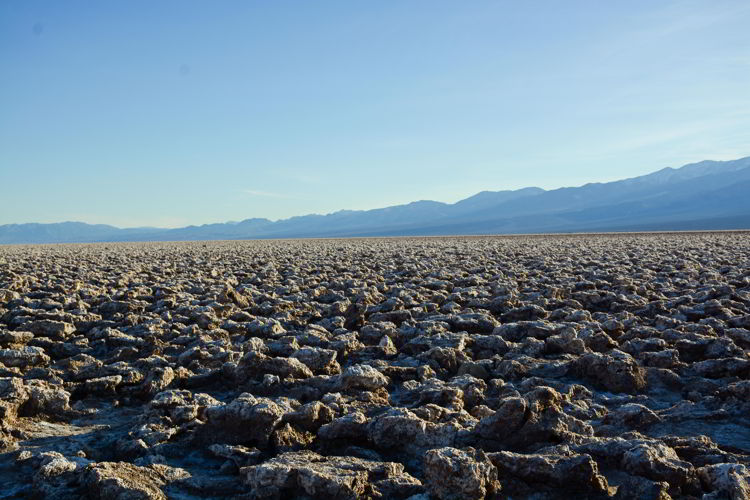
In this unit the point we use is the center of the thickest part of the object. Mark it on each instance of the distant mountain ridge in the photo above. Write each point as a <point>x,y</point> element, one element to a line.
<point>708,195</point>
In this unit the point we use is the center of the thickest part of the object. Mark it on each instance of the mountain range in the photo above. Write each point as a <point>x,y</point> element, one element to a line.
<point>709,195</point>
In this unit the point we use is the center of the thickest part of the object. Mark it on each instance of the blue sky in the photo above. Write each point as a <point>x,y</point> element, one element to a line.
<point>168,113</point>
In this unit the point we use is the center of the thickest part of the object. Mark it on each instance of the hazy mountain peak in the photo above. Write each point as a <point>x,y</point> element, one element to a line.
<point>702,195</point>
<point>693,170</point>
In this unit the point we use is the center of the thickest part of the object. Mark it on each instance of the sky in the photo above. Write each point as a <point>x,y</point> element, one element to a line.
<point>168,113</point>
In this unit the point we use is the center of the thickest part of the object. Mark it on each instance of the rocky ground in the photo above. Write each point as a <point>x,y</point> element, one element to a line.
<point>454,368</point>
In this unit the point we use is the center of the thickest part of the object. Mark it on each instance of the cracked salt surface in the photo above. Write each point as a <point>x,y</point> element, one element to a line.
<point>592,366</point>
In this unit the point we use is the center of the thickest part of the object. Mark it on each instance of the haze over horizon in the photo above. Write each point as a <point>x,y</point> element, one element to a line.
<point>715,166</point>
<point>175,113</point>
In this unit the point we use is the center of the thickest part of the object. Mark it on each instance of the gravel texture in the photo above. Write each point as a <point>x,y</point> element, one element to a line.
<point>545,367</point>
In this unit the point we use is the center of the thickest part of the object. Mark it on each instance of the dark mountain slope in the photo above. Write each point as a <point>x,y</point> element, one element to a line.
<point>705,195</point>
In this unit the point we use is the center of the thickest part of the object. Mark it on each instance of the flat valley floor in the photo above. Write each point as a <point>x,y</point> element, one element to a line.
<point>544,367</point>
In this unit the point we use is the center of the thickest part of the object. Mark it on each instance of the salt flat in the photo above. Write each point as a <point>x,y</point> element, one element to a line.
<point>557,366</point>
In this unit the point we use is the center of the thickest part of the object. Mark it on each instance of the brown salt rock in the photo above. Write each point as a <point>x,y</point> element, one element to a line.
<point>23,357</point>
<point>305,473</point>
<point>636,487</point>
<point>47,399</point>
<point>310,416</point>
<point>631,416</point>
<point>350,426</point>
<point>246,419</point>
<point>615,371</point>
<point>103,386</point>
<point>255,364</point>
<point>363,377</point>
<point>321,361</point>
<point>573,474</point>
<point>125,481</point>
<point>13,394</point>
<point>726,481</point>
<point>290,438</point>
<point>157,380</point>
<point>659,462</point>
<point>56,330</point>
<point>399,429</point>
<point>454,474</point>
<point>434,391</point>
<point>720,368</point>
<point>531,421</point>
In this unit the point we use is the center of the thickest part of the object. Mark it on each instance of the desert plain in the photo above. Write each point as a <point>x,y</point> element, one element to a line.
<point>544,367</point>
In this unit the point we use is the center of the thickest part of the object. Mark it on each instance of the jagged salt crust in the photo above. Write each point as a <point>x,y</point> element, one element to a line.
<point>545,367</point>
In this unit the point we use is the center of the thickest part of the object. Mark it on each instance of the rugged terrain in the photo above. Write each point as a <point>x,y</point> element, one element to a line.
<point>600,366</point>
<point>708,195</point>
